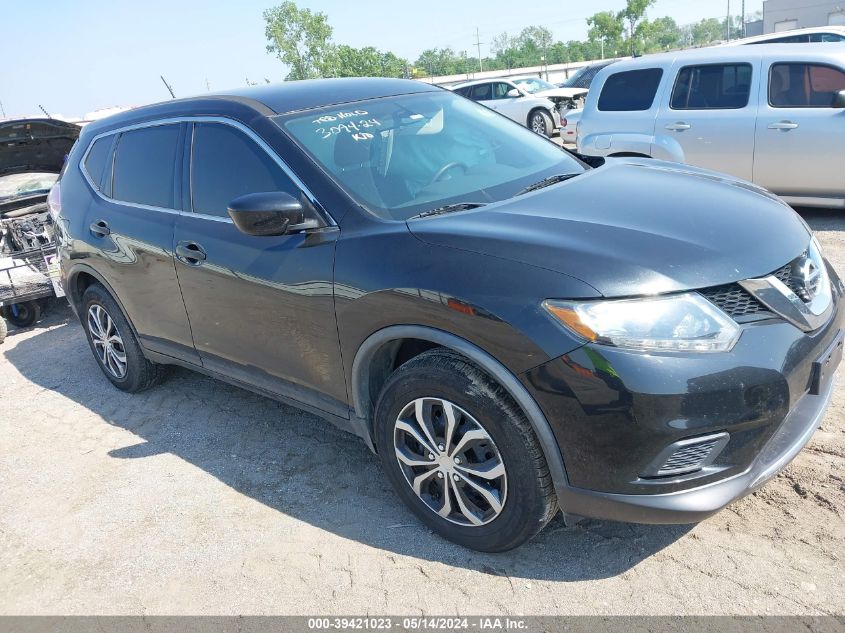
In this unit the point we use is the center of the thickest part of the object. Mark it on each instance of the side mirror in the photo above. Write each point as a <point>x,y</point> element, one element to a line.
<point>839,99</point>
<point>267,214</point>
<point>513,93</point>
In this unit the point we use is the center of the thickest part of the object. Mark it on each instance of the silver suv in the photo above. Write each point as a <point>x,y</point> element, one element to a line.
<point>773,115</point>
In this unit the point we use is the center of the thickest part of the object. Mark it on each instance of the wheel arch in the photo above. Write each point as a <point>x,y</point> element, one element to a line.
<point>78,281</point>
<point>376,357</point>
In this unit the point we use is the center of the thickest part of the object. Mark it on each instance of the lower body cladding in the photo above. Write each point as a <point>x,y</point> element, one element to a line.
<point>674,438</point>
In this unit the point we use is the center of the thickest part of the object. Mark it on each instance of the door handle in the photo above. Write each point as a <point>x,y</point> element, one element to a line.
<point>783,125</point>
<point>99,228</point>
<point>680,126</point>
<point>190,253</point>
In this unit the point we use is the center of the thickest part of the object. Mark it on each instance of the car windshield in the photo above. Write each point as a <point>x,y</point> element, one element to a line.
<point>28,183</point>
<point>533,84</point>
<point>403,155</point>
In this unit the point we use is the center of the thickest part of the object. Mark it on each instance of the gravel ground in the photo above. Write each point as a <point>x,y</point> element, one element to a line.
<point>198,497</point>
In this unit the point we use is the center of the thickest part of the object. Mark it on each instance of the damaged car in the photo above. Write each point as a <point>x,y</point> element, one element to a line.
<point>32,153</point>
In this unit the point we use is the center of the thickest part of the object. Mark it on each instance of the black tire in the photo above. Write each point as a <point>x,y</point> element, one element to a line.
<point>529,502</point>
<point>540,122</point>
<point>28,313</point>
<point>140,373</point>
<point>2,329</point>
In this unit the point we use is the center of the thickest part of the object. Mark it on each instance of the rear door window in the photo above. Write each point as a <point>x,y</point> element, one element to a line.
<point>144,166</point>
<point>481,92</point>
<point>796,85</point>
<point>95,162</point>
<point>630,91</point>
<point>712,87</point>
<point>226,164</point>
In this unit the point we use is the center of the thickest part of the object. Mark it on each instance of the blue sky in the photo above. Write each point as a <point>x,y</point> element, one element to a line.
<point>76,56</point>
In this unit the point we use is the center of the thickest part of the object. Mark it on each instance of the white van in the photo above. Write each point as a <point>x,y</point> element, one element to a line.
<point>774,115</point>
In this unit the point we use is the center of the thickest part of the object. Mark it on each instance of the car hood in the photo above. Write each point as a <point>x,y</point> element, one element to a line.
<point>634,227</point>
<point>562,93</point>
<point>38,145</point>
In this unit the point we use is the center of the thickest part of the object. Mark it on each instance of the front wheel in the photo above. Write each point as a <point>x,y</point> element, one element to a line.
<point>541,123</point>
<point>461,454</point>
<point>2,329</point>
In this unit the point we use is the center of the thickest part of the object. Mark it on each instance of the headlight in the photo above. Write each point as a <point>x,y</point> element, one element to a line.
<point>683,323</point>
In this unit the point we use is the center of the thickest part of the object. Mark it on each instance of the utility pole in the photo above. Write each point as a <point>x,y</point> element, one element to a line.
<point>728,23</point>
<point>167,85</point>
<point>207,85</point>
<point>478,44</point>
<point>2,110</point>
<point>743,18</point>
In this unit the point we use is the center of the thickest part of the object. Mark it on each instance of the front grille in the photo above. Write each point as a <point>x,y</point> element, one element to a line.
<point>737,303</point>
<point>784,274</point>
<point>687,456</point>
<point>734,301</point>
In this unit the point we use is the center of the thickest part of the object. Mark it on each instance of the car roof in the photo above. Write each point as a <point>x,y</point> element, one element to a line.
<point>291,96</point>
<point>271,99</point>
<point>465,84</point>
<point>840,30</point>
<point>831,51</point>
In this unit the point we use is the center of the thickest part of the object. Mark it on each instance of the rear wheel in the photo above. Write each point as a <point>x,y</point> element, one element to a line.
<point>114,343</point>
<point>2,329</point>
<point>461,454</point>
<point>22,314</point>
<point>540,122</point>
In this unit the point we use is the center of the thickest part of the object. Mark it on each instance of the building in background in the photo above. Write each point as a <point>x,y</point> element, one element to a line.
<point>785,15</point>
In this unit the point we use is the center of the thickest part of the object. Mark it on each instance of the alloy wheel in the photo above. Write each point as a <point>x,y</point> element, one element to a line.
<point>538,124</point>
<point>107,341</point>
<point>450,462</point>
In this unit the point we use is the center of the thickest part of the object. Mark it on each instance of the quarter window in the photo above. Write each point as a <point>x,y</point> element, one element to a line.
<point>95,163</point>
<point>226,164</point>
<point>804,85</point>
<point>144,166</point>
<point>712,87</point>
<point>630,91</point>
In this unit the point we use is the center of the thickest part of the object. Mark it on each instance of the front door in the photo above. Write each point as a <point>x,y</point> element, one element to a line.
<point>710,113</point>
<point>261,308</point>
<point>799,135</point>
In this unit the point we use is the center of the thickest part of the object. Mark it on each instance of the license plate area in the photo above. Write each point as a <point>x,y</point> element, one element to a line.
<point>825,365</point>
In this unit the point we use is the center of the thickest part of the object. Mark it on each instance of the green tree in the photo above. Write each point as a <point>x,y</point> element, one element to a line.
<point>606,30</point>
<point>706,32</point>
<point>633,13</point>
<point>300,38</point>
<point>660,35</point>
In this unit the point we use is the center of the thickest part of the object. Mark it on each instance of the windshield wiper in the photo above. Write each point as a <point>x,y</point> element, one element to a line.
<point>547,182</point>
<point>449,208</point>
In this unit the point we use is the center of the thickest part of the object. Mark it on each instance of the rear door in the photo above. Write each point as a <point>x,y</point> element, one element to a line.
<point>261,308</point>
<point>130,225</point>
<point>709,112</point>
<point>799,135</point>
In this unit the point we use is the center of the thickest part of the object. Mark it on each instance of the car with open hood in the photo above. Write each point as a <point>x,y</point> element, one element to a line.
<point>513,332</point>
<point>32,153</point>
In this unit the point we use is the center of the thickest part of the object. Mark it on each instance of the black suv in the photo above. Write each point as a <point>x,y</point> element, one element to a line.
<point>512,331</point>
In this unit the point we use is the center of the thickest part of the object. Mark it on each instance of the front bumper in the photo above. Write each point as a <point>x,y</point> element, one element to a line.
<point>614,411</point>
<point>696,504</point>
